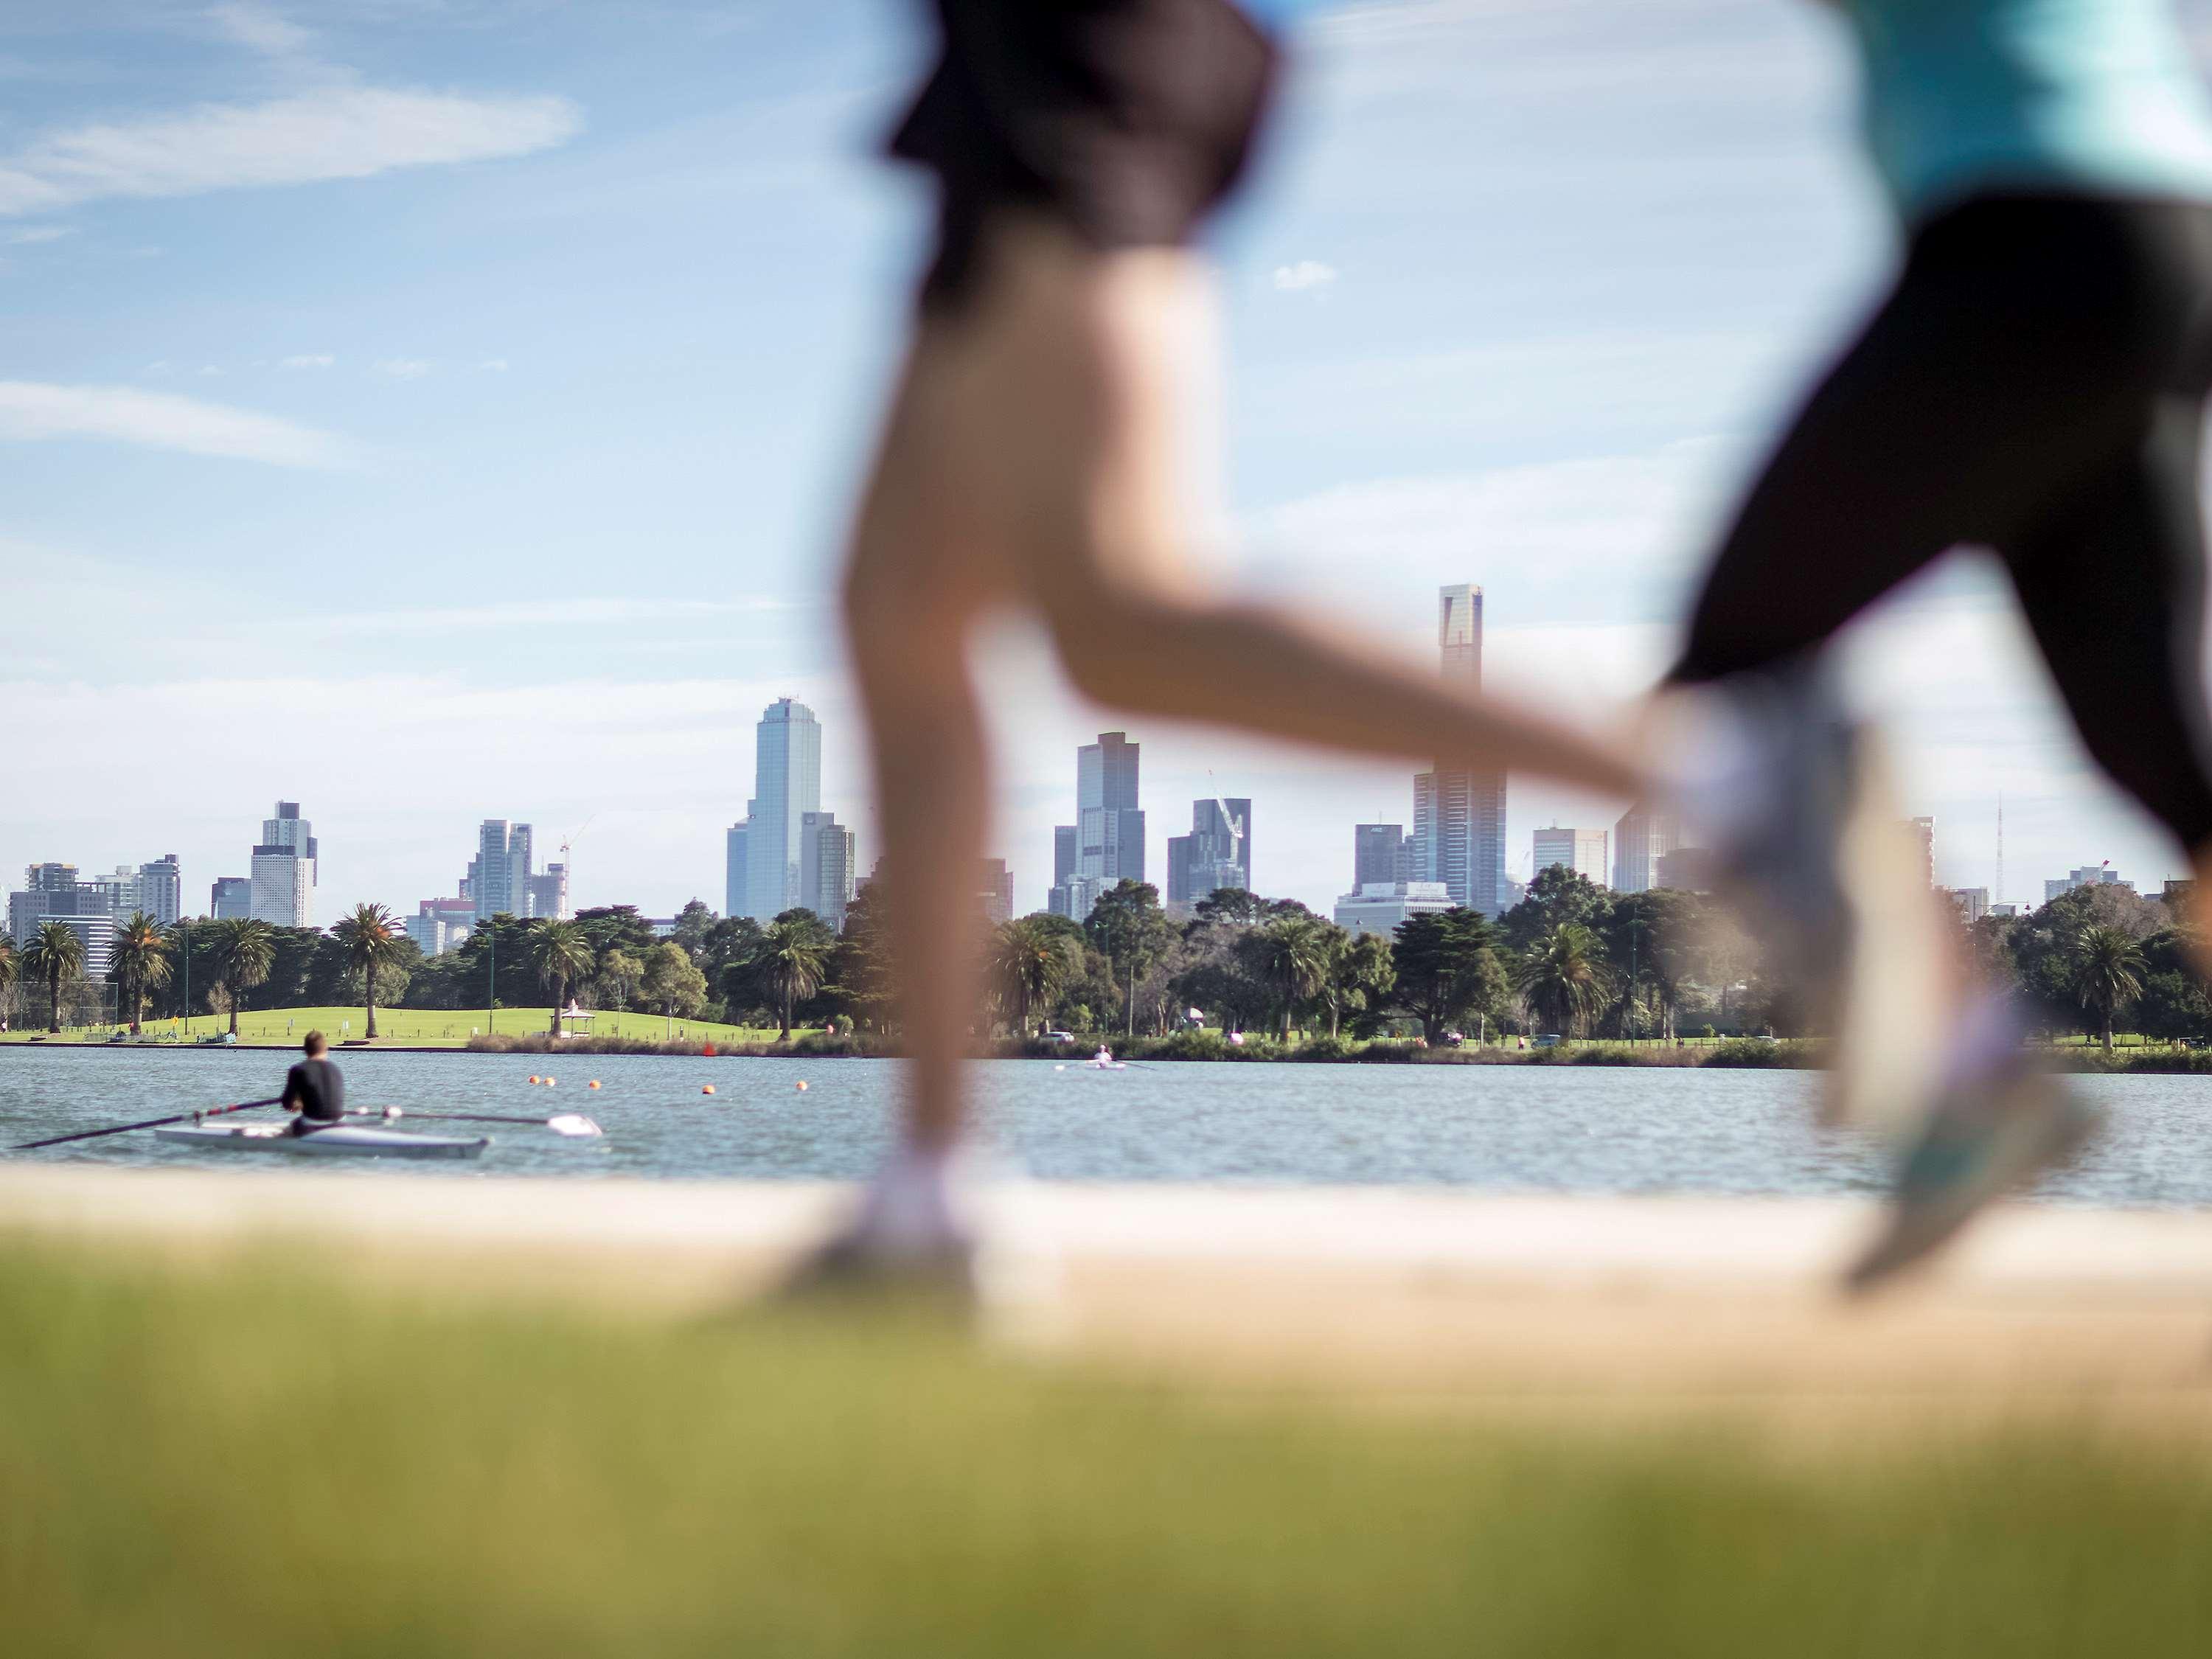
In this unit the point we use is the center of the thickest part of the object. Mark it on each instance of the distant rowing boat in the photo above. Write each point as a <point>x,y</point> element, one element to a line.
<point>344,1142</point>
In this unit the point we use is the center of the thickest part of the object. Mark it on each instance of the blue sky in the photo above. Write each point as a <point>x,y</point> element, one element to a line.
<point>431,409</point>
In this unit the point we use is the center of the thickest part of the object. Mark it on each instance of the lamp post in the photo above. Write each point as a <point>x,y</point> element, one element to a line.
<point>491,984</point>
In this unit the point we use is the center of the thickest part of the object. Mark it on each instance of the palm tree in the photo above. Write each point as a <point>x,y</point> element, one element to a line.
<point>793,955</point>
<point>140,957</point>
<point>56,953</point>
<point>1029,961</point>
<point>557,951</point>
<point>2106,975</point>
<point>1292,956</point>
<point>370,938</point>
<point>1563,977</point>
<point>245,951</point>
<point>10,965</point>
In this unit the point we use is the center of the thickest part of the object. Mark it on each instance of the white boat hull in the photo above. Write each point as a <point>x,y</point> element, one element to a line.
<point>344,1142</point>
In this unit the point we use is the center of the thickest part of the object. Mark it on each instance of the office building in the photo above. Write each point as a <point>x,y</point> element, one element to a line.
<point>2088,875</point>
<point>1216,853</point>
<point>284,868</point>
<point>231,898</point>
<point>1642,838</point>
<point>441,924</point>
<point>1973,903</point>
<point>1583,851</point>
<point>1923,831</point>
<point>48,889</point>
<point>1106,842</point>
<point>787,786</point>
<point>1459,816</point>
<point>1379,853</point>
<point>734,870</point>
<point>1687,870</point>
<point>1377,907</point>
<point>161,892</point>
<point>826,868</point>
<point>996,889</point>
<point>547,893</point>
<point>502,881</point>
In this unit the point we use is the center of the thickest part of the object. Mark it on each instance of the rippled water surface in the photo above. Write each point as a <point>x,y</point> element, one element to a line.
<point>1495,1127</point>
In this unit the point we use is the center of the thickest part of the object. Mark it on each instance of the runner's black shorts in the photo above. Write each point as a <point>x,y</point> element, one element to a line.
<point>1128,120</point>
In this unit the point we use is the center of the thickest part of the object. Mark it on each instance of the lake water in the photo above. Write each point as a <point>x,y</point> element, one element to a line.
<point>1498,1128</point>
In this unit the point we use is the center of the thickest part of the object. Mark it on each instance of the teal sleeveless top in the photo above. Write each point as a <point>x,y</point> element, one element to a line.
<point>1968,96</point>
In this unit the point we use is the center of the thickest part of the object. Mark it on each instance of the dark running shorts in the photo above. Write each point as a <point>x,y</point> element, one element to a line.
<point>1128,120</point>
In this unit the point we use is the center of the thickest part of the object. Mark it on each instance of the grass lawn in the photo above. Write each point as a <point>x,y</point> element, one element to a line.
<point>269,1466</point>
<point>408,1027</point>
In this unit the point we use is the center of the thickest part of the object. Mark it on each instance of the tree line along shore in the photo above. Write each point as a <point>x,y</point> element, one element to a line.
<point>1574,974</point>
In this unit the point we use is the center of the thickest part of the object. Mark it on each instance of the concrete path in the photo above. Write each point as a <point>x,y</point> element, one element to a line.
<point>1613,1305</point>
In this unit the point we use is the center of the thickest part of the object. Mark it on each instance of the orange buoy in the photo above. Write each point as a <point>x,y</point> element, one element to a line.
<point>706,1088</point>
<point>593,1083</point>
<point>548,1082</point>
<point>533,1077</point>
<point>802,1088</point>
<point>709,1051</point>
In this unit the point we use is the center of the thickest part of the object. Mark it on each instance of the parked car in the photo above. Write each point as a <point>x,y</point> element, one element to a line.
<point>1549,1040</point>
<point>1060,1036</point>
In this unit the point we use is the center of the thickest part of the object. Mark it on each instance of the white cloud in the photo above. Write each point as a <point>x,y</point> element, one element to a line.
<point>308,360</point>
<point>31,233</point>
<point>1307,276</point>
<point>31,411</point>
<point>336,132</point>
<point>261,27</point>
<point>494,365</point>
<point>405,368</point>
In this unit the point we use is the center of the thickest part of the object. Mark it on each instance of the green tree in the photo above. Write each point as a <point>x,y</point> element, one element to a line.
<point>1030,962</point>
<point>620,973</point>
<point>245,951</point>
<point>1361,975</point>
<point>371,940</point>
<point>694,922</point>
<point>790,962</point>
<point>559,952</point>
<point>1289,957</point>
<point>2105,975</point>
<point>1130,932</point>
<point>1557,895</point>
<point>1563,978</point>
<point>139,963</point>
<point>55,954</point>
<point>10,966</point>
<point>1447,964</point>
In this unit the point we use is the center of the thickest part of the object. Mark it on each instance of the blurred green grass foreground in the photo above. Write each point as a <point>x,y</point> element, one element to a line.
<point>246,1464</point>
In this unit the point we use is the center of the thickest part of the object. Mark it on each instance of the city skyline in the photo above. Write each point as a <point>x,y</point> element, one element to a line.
<point>208,374</point>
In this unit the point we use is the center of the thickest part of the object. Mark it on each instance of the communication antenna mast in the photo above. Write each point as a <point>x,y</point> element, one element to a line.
<point>1998,897</point>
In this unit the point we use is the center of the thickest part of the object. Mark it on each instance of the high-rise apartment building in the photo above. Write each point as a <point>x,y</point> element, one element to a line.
<point>284,869</point>
<point>231,898</point>
<point>1583,851</point>
<point>826,868</point>
<point>48,889</point>
<point>547,892</point>
<point>1923,831</point>
<point>502,881</point>
<point>2087,875</point>
<point>441,924</point>
<point>996,886</point>
<point>1642,837</point>
<point>787,786</point>
<point>1459,816</point>
<point>1216,853</point>
<point>1109,831</point>
<point>734,870</point>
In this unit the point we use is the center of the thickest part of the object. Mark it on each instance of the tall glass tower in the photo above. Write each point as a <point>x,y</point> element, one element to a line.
<point>1459,818</point>
<point>787,786</point>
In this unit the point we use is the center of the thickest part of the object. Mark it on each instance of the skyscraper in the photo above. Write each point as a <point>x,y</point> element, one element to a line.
<point>1378,853</point>
<point>1107,835</point>
<point>734,870</point>
<point>1642,837</point>
<point>231,898</point>
<point>787,786</point>
<point>501,879</point>
<point>1582,851</point>
<point>996,887</point>
<point>1459,816</point>
<point>284,869</point>
<point>1216,853</point>
<point>825,870</point>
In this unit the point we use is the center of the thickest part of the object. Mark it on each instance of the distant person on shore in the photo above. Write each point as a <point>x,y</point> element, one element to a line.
<point>313,1089</point>
<point>1032,461</point>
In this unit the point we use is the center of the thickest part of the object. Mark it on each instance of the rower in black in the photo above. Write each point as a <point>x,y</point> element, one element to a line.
<point>314,1088</point>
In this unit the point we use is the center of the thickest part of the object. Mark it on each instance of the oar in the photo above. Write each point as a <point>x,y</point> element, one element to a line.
<point>151,1123</point>
<point>565,1123</point>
